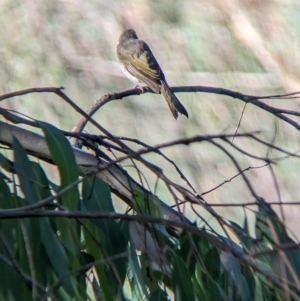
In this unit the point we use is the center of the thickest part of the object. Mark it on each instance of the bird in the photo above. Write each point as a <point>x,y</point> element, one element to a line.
<point>141,67</point>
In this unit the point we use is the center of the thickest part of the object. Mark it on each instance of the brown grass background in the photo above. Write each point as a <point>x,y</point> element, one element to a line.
<point>248,46</point>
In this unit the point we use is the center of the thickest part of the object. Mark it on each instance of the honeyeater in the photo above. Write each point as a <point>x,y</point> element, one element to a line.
<point>140,66</point>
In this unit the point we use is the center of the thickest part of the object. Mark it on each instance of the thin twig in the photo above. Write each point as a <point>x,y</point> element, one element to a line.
<point>239,123</point>
<point>229,180</point>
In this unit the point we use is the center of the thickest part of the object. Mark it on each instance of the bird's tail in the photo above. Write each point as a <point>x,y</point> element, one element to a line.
<point>174,104</point>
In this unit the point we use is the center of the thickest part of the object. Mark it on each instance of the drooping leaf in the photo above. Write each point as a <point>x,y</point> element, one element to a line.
<point>108,234</point>
<point>212,263</point>
<point>271,230</point>
<point>41,180</point>
<point>57,256</point>
<point>12,286</point>
<point>182,281</point>
<point>200,288</point>
<point>5,195</point>
<point>97,198</point>
<point>186,251</point>
<point>148,205</point>
<point>63,156</point>
<point>269,227</point>
<point>139,288</point>
<point>26,176</point>
<point>159,295</point>
<point>203,246</point>
<point>92,238</point>
<point>234,276</point>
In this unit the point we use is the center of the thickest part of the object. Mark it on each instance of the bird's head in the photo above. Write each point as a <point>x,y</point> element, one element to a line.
<point>127,34</point>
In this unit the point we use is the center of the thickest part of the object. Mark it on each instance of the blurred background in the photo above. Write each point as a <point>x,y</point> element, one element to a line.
<point>250,46</point>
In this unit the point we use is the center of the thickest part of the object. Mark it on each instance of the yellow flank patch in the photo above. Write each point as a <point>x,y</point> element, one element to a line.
<point>141,63</point>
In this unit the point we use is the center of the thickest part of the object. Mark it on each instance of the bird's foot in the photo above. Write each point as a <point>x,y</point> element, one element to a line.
<point>138,87</point>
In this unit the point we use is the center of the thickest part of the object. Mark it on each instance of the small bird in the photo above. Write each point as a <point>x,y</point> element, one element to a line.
<point>140,66</point>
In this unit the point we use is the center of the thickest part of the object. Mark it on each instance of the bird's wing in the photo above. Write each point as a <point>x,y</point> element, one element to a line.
<point>141,63</point>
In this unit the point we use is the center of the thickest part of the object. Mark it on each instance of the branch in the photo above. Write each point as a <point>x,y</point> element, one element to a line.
<point>114,175</point>
<point>255,100</point>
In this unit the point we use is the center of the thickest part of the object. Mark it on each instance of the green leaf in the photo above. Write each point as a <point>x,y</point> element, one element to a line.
<point>268,225</point>
<point>97,198</point>
<point>161,277</point>
<point>233,274</point>
<point>84,259</point>
<point>57,256</point>
<point>258,289</point>
<point>35,186</point>
<point>212,288</point>
<point>203,246</point>
<point>148,205</point>
<point>33,225</point>
<point>109,235</point>
<point>5,195</point>
<point>97,195</point>
<point>200,287</point>
<point>212,280</point>
<point>182,281</point>
<point>139,283</point>
<point>212,263</point>
<point>186,251</point>
<point>12,286</point>
<point>271,230</point>
<point>63,156</point>
<point>7,227</point>
<point>41,180</point>
<point>93,245</point>
<point>159,295</point>
<point>27,178</point>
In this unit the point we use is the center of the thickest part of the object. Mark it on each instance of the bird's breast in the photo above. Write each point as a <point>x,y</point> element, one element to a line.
<point>131,77</point>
